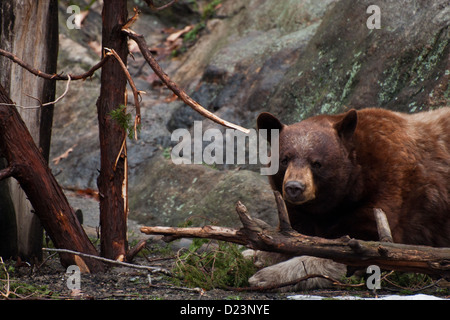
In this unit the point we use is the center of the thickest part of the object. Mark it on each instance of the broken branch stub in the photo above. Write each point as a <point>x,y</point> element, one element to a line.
<point>384,231</point>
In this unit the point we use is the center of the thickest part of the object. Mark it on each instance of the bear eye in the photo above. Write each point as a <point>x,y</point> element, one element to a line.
<point>316,165</point>
<point>284,161</point>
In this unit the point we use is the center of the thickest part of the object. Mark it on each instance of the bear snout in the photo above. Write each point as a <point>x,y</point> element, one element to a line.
<point>294,189</point>
<point>298,192</point>
<point>298,185</point>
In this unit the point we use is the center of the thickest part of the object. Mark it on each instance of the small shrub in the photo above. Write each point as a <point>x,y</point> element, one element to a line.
<point>125,120</point>
<point>220,265</point>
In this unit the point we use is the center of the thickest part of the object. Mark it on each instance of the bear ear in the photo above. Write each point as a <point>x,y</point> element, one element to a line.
<point>347,126</point>
<point>268,121</point>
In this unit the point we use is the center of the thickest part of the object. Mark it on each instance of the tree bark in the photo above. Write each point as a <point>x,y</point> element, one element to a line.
<point>19,23</point>
<point>27,165</point>
<point>111,181</point>
<point>8,228</point>
<point>260,236</point>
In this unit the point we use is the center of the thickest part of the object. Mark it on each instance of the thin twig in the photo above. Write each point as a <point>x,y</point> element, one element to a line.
<point>169,286</point>
<point>47,103</point>
<point>154,8</point>
<point>136,93</point>
<point>45,260</point>
<point>61,96</point>
<point>130,265</point>
<point>133,19</point>
<point>122,148</point>
<point>385,278</point>
<point>6,295</point>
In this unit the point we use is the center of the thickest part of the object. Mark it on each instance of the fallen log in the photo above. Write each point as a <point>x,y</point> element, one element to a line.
<point>258,235</point>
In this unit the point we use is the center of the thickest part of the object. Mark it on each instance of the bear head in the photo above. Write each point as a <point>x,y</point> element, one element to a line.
<point>317,160</point>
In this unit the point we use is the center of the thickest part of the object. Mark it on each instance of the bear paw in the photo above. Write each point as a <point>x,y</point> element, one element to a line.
<point>297,268</point>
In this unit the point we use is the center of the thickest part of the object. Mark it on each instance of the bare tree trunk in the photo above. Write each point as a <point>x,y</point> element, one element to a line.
<point>111,181</point>
<point>28,29</point>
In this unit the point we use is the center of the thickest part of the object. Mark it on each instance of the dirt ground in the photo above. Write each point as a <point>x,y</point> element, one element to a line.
<point>120,283</point>
<point>49,281</point>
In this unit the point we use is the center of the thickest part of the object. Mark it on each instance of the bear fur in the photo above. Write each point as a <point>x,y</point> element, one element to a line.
<point>335,169</point>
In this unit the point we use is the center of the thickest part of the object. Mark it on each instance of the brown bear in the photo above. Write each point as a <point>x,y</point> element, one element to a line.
<point>335,169</point>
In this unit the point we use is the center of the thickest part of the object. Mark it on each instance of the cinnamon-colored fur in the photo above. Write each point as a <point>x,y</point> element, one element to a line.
<point>360,160</point>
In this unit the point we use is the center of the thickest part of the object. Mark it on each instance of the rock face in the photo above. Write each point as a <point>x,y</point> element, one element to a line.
<point>292,58</point>
<point>235,69</point>
<point>403,66</point>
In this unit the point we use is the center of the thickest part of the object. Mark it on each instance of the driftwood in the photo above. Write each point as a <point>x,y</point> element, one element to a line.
<point>259,236</point>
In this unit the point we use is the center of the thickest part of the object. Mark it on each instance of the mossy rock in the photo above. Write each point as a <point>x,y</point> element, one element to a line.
<point>167,194</point>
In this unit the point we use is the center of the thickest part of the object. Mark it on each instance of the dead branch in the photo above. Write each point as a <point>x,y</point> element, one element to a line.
<point>135,250</point>
<point>136,93</point>
<point>140,40</point>
<point>133,19</point>
<point>206,232</point>
<point>154,8</point>
<point>142,44</point>
<point>353,252</point>
<point>120,263</point>
<point>55,76</point>
<point>40,103</point>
